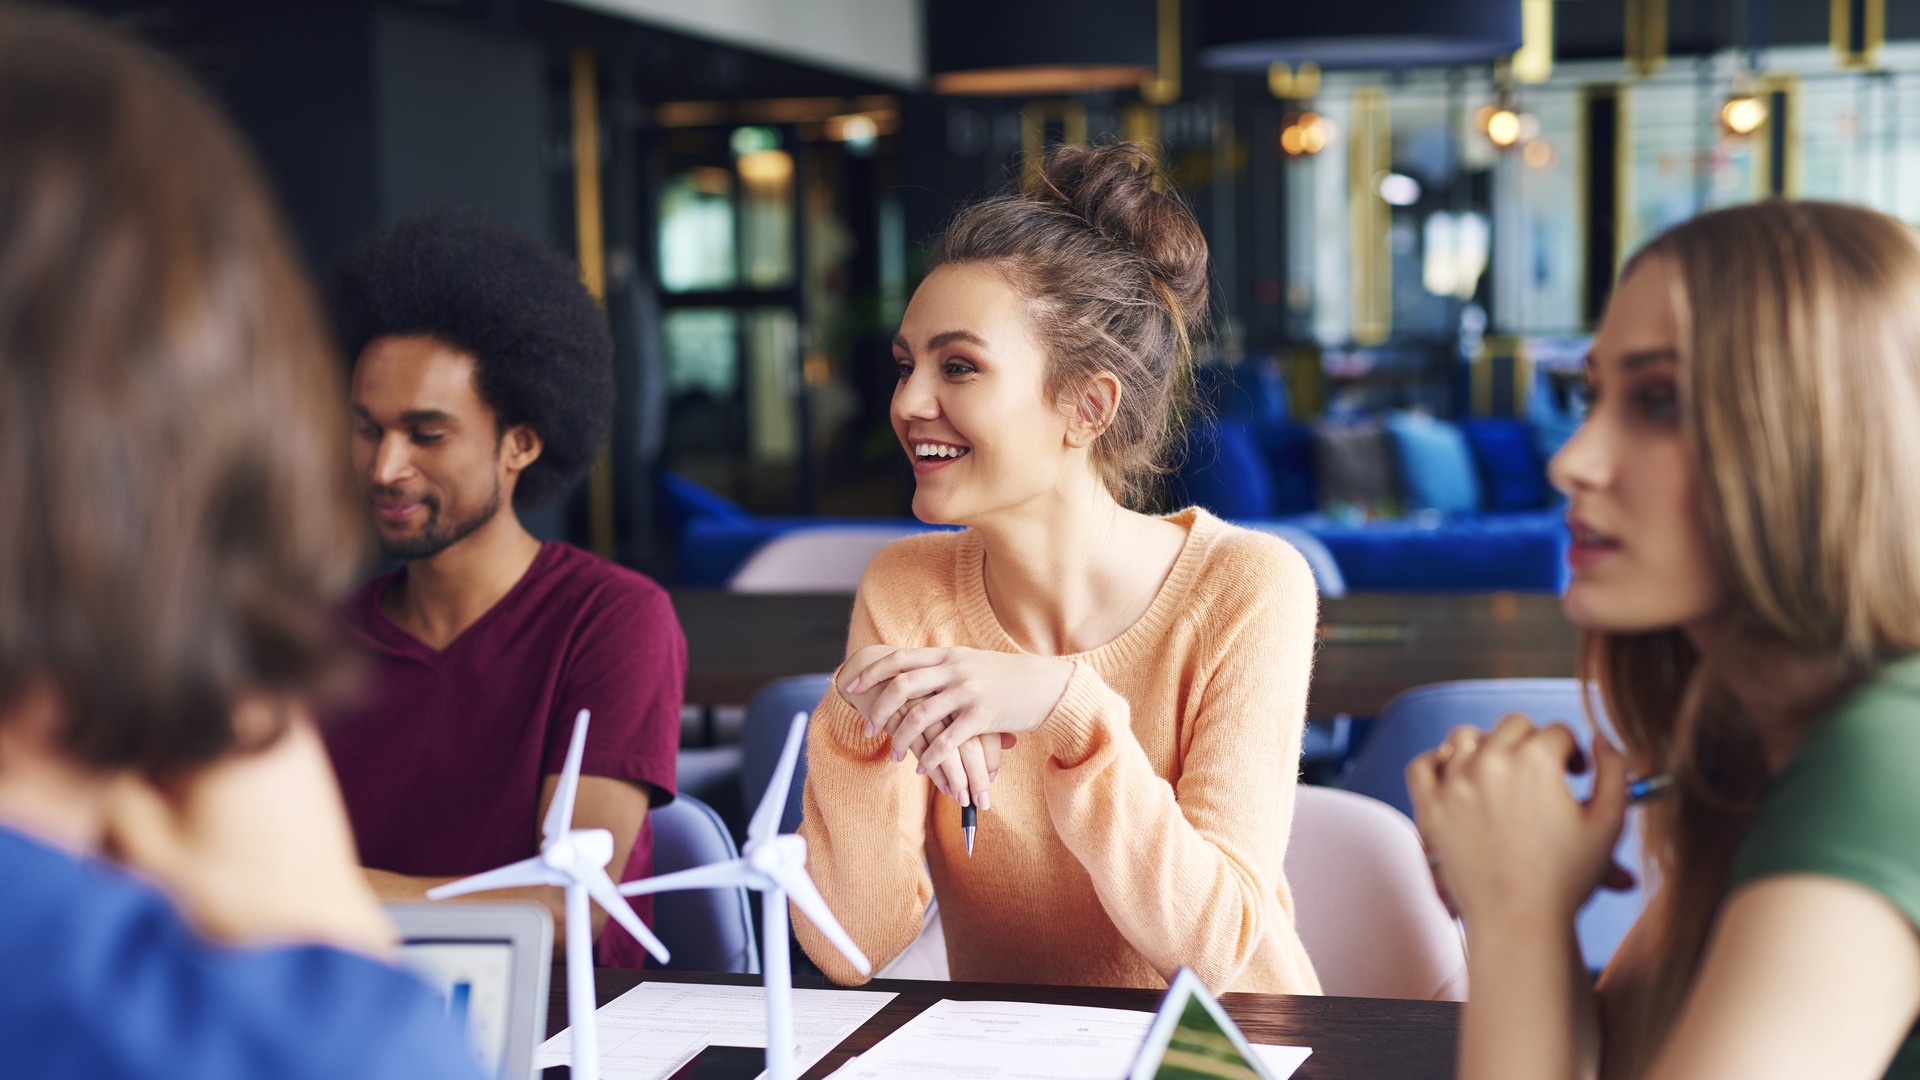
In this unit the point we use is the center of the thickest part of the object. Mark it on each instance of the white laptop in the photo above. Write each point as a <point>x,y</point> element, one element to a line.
<point>490,963</point>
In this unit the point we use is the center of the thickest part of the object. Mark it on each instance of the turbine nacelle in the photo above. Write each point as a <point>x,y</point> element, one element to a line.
<point>578,848</point>
<point>778,855</point>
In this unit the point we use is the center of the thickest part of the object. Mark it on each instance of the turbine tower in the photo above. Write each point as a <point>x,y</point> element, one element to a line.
<point>576,859</point>
<point>775,866</point>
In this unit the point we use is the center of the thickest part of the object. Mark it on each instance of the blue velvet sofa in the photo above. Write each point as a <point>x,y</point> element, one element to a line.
<point>1477,513</point>
<point>1520,551</point>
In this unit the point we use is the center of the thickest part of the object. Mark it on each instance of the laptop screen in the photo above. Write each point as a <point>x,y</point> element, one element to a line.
<point>475,977</point>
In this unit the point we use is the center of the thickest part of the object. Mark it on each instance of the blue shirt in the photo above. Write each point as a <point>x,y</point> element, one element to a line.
<point>100,977</point>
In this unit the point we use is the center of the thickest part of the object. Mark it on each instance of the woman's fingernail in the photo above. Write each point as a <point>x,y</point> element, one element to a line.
<point>992,776</point>
<point>965,797</point>
<point>986,800</point>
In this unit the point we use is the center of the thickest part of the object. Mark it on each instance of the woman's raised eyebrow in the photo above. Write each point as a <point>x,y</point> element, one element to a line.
<point>941,340</point>
<point>1636,361</point>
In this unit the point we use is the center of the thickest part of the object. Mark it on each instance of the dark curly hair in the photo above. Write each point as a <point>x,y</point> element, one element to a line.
<point>542,352</point>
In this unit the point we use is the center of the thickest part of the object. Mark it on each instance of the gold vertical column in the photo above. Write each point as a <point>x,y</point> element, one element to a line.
<point>1646,36</point>
<point>590,243</point>
<point>1369,156</point>
<point>1858,28</point>
<point>1034,117</point>
<point>1164,87</point>
<point>1533,60</point>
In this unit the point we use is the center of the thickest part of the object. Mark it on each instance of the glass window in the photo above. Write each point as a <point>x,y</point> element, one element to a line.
<point>773,387</point>
<point>703,350</point>
<point>696,231</point>
<point>766,217</point>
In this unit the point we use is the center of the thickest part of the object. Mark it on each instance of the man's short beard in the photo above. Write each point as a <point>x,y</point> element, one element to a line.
<point>434,537</point>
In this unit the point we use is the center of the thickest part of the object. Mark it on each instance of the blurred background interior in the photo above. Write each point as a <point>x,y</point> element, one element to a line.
<point>1415,207</point>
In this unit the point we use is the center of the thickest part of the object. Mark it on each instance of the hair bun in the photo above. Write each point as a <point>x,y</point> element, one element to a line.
<point>1119,190</point>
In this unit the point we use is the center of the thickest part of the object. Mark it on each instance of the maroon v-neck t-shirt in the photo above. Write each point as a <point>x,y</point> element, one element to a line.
<point>442,760</point>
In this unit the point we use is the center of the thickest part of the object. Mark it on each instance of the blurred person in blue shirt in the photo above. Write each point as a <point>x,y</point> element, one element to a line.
<point>179,895</point>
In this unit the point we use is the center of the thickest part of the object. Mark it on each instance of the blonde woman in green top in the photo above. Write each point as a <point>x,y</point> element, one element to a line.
<point>1745,507</point>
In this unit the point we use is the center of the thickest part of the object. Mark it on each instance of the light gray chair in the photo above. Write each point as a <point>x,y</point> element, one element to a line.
<point>764,733</point>
<point>826,559</point>
<point>704,929</point>
<point>1419,720</point>
<point>1364,903</point>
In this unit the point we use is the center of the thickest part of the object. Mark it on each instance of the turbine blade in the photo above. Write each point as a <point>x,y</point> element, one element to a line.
<point>512,876</point>
<point>766,816</point>
<point>600,887</point>
<point>560,810</point>
<point>729,874</point>
<point>808,899</point>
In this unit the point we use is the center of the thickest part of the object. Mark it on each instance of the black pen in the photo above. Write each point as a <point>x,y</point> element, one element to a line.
<point>1639,790</point>
<point>967,820</point>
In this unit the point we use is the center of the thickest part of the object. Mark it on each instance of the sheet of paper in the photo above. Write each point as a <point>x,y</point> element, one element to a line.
<point>1006,1040</point>
<point>1282,1061</point>
<point>645,1027</point>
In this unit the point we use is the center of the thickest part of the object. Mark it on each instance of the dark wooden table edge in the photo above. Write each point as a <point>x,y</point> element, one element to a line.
<point>1352,1038</point>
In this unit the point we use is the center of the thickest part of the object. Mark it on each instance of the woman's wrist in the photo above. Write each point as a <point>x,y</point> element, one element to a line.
<point>1073,725</point>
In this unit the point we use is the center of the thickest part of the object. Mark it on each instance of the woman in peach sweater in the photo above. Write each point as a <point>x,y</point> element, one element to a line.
<point>1121,696</point>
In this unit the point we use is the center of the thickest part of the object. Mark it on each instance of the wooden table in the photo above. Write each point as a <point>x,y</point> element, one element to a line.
<point>1352,1038</point>
<point>1374,645</point>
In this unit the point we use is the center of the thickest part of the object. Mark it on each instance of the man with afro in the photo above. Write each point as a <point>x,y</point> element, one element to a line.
<point>482,384</point>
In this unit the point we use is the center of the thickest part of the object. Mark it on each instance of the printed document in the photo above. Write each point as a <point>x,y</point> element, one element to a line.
<point>1007,1040</point>
<point>651,1030</point>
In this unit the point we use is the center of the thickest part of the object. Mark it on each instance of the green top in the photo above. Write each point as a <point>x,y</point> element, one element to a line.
<point>1848,806</point>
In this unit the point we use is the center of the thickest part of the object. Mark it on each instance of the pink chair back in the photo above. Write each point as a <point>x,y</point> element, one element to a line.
<point>1364,901</point>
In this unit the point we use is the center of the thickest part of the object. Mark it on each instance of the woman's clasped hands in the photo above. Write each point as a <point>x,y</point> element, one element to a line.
<point>1507,839</point>
<point>955,709</point>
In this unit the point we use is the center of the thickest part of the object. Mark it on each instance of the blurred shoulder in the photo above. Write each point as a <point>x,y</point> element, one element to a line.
<point>601,593</point>
<point>579,570</point>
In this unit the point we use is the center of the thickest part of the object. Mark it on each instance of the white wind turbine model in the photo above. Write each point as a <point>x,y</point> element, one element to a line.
<point>775,866</point>
<point>577,860</point>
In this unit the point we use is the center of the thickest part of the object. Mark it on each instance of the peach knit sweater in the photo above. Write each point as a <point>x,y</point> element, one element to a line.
<point>1143,826</point>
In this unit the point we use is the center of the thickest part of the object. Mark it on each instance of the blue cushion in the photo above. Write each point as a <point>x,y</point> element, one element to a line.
<point>1550,433</point>
<point>1510,470</point>
<point>1436,469</point>
<point>690,500</point>
<point>1224,471</point>
<point>1523,552</point>
<point>1288,448</point>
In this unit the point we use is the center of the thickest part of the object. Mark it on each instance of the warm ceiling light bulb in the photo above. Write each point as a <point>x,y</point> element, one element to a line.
<point>1503,128</point>
<point>1315,133</point>
<point>858,128</point>
<point>1743,115</point>
<point>1305,133</point>
<point>766,168</point>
